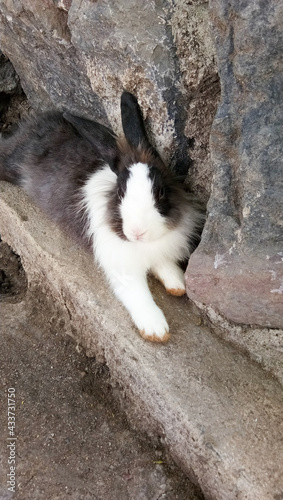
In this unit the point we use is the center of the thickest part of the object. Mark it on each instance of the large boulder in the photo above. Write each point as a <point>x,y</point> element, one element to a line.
<point>237,270</point>
<point>79,55</point>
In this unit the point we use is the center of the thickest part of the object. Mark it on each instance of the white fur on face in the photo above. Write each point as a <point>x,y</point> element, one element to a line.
<point>141,219</point>
<point>126,263</point>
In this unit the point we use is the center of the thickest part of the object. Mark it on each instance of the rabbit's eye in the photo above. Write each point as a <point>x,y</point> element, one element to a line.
<point>162,200</point>
<point>161,193</point>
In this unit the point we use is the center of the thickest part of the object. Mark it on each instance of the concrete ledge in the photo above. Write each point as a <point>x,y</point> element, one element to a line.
<point>218,412</point>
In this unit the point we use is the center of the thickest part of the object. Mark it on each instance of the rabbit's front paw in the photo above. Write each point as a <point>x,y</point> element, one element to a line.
<point>178,292</point>
<point>153,326</point>
<point>172,278</point>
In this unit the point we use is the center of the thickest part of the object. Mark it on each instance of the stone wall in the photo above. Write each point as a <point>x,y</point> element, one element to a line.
<point>237,270</point>
<point>80,54</point>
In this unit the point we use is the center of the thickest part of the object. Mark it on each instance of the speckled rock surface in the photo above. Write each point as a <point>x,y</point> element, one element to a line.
<point>200,83</point>
<point>79,55</point>
<point>9,80</point>
<point>238,268</point>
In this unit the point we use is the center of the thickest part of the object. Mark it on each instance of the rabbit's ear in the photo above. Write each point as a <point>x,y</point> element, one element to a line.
<point>133,124</point>
<point>102,139</point>
<point>132,121</point>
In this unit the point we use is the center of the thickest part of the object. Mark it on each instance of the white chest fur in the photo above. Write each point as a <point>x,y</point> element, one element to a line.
<point>126,263</point>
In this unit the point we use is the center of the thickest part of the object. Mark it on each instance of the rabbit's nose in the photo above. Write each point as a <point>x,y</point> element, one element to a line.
<point>138,234</point>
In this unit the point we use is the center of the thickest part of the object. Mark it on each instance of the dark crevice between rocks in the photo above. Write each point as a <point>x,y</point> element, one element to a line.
<point>13,105</point>
<point>180,161</point>
<point>13,101</point>
<point>13,279</point>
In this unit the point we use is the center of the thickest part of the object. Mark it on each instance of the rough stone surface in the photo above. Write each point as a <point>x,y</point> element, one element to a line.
<point>11,94</point>
<point>219,414</point>
<point>9,80</point>
<point>79,55</point>
<point>237,270</point>
<point>200,85</point>
<point>72,438</point>
<point>36,38</point>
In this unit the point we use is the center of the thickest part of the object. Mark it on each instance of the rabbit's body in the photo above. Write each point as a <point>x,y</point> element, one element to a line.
<point>126,262</point>
<point>116,197</point>
<point>51,161</point>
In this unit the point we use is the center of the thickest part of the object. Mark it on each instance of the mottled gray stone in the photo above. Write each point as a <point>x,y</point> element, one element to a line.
<point>37,40</point>
<point>79,55</point>
<point>200,85</point>
<point>9,80</point>
<point>238,268</point>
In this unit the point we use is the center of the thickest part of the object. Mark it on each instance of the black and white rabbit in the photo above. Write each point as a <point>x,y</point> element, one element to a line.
<point>115,196</point>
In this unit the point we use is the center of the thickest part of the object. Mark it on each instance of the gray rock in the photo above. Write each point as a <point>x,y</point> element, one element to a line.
<point>80,55</point>
<point>12,98</point>
<point>37,40</point>
<point>238,268</point>
<point>9,80</point>
<point>200,84</point>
